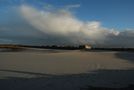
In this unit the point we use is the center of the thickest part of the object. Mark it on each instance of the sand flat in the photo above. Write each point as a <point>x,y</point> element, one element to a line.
<point>66,70</point>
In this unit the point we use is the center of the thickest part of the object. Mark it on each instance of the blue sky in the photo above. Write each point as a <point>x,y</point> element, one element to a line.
<point>117,14</point>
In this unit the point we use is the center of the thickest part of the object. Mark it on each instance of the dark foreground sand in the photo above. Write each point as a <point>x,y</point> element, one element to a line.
<point>65,70</point>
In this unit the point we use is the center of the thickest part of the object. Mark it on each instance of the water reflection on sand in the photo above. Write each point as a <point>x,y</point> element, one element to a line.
<point>47,69</point>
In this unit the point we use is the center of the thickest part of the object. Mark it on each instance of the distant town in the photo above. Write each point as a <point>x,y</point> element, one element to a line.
<point>64,47</point>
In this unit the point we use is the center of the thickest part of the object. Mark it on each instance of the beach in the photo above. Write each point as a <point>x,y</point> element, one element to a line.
<point>47,69</point>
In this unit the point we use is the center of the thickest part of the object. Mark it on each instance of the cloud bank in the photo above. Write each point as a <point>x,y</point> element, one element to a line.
<point>64,24</point>
<point>62,27</point>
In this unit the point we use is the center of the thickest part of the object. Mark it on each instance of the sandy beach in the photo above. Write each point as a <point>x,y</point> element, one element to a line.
<point>65,69</point>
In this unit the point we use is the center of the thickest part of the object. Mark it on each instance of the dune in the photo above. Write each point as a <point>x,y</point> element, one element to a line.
<point>65,69</point>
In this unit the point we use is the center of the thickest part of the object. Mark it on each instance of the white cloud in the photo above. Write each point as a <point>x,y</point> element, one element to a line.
<point>60,22</point>
<point>63,24</point>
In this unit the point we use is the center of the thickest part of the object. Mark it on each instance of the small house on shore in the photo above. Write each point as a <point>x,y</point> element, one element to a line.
<point>87,47</point>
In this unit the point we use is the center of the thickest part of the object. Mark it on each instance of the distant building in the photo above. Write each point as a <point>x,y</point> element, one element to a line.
<point>87,47</point>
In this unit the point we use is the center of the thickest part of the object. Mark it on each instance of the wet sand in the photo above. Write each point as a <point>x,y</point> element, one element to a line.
<point>65,69</point>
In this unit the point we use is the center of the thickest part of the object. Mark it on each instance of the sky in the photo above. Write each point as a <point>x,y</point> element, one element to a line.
<point>40,22</point>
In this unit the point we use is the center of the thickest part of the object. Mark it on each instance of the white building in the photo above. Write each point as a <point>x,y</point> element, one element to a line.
<point>87,46</point>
